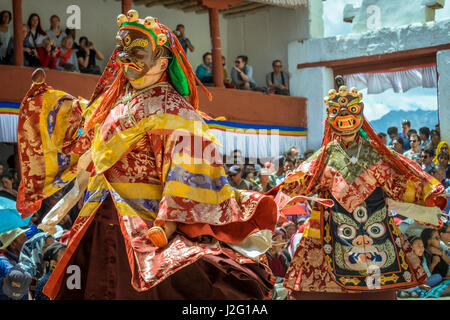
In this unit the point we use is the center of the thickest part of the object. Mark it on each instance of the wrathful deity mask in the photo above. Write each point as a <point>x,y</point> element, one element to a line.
<point>140,43</point>
<point>345,110</point>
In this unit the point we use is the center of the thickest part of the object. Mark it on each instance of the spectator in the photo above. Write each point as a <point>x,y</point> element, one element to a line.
<point>433,279</point>
<point>30,55</point>
<point>292,153</point>
<point>288,166</point>
<point>55,32</point>
<point>7,190</point>
<point>242,74</point>
<point>436,260</point>
<point>442,146</point>
<point>251,173</point>
<point>185,42</point>
<point>298,161</point>
<point>437,128</point>
<point>204,70</point>
<point>72,33</point>
<point>392,133</point>
<point>397,144</point>
<point>416,157</point>
<point>66,56</point>
<point>235,178</point>
<point>308,153</point>
<point>278,263</point>
<point>14,283</point>
<point>52,255</point>
<point>1,169</point>
<point>443,159</point>
<point>86,57</point>
<point>435,139</point>
<point>427,159</point>
<point>406,126</point>
<point>36,35</point>
<point>424,134</point>
<point>414,143</point>
<point>5,33</point>
<point>383,137</point>
<point>278,80</point>
<point>264,183</point>
<point>278,175</point>
<point>48,53</point>
<point>444,234</point>
<point>11,243</point>
<point>439,174</point>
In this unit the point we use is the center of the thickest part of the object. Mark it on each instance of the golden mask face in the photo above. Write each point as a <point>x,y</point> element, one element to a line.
<point>345,112</point>
<point>135,53</point>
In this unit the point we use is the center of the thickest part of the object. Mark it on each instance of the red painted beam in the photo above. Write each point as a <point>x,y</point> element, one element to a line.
<point>216,46</point>
<point>18,36</point>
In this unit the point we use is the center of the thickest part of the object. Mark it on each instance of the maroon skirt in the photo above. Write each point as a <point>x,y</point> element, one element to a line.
<point>106,273</point>
<point>383,295</point>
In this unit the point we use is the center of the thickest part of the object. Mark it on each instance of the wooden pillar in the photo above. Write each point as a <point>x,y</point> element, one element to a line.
<point>216,46</point>
<point>18,36</point>
<point>126,6</point>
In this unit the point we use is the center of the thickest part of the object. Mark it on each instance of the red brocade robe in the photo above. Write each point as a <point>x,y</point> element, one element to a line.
<point>352,244</point>
<point>156,160</point>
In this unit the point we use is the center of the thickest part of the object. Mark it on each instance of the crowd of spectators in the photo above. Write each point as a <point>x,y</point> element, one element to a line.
<point>53,49</point>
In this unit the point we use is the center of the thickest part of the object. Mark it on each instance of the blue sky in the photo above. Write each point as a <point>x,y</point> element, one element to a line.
<point>378,105</point>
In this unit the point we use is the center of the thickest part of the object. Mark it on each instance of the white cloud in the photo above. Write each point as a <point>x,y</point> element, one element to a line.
<point>377,105</point>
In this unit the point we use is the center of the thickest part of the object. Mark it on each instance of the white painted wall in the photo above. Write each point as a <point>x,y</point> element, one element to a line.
<point>443,68</point>
<point>98,22</point>
<point>264,36</point>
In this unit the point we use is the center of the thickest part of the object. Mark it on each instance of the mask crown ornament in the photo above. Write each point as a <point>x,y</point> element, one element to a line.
<point>149,22</point>
<point>121,18</point>
<point>345,110</point>
<point>132,15</point>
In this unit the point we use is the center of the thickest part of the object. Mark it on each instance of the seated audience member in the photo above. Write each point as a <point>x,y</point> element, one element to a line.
<point>298,161</point>
<point>5,34</point>
<point>86,54</point>
<point>424,134</point>
<point>433,279</point>
<point>30,55</point>
<point>397,144</point>
<point>444,234</point>
<point>14,283</point>
<point>235,178</point>
<point>435,139</point>
<point>7,189</point>
<point>264,182</point>
<point>52,255</point>
<point>185,42</point>
<point>48,53</point>
<point>383,137</point>
<point>55,32</point>
<point>36,34</point>
<point>406,126</point>
<point>204,70</point>
<point>436,259</point>
<point>427,156</point>
<point>278,80</point>
<point>442,146</point>
<point>392,133</point>
<point>308,153</point>
<point>288,166</point>
<point>278,175</point>
<point>242,74</point>
<point>292,153</point>
<point>72,33</point>
<point>278,263</point>
<point>67,59</point>
<point>414,143</point>
<point>443,158</point>
<point>439,173</point>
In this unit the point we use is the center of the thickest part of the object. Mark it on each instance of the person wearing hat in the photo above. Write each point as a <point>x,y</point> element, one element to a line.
<point>11,242</point>
<point>235,178</point>
<point>264,182</point>
<point>14,283</point>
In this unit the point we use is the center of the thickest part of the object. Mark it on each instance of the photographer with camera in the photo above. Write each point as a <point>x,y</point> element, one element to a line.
<point>48,53</point>
<point>185,42</point>
<point>86,55</point>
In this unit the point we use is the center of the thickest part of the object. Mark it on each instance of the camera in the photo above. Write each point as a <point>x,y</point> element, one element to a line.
<point>53,48</point>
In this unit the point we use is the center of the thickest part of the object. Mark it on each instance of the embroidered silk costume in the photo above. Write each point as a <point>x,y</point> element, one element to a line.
<point>352,244</point>
<point>151,159</point>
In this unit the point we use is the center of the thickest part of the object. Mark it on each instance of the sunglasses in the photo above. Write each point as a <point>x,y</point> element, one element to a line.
<point>412,140</point>
<point>425,156</point>
<point>277,66</point>
<point>237,62</point>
